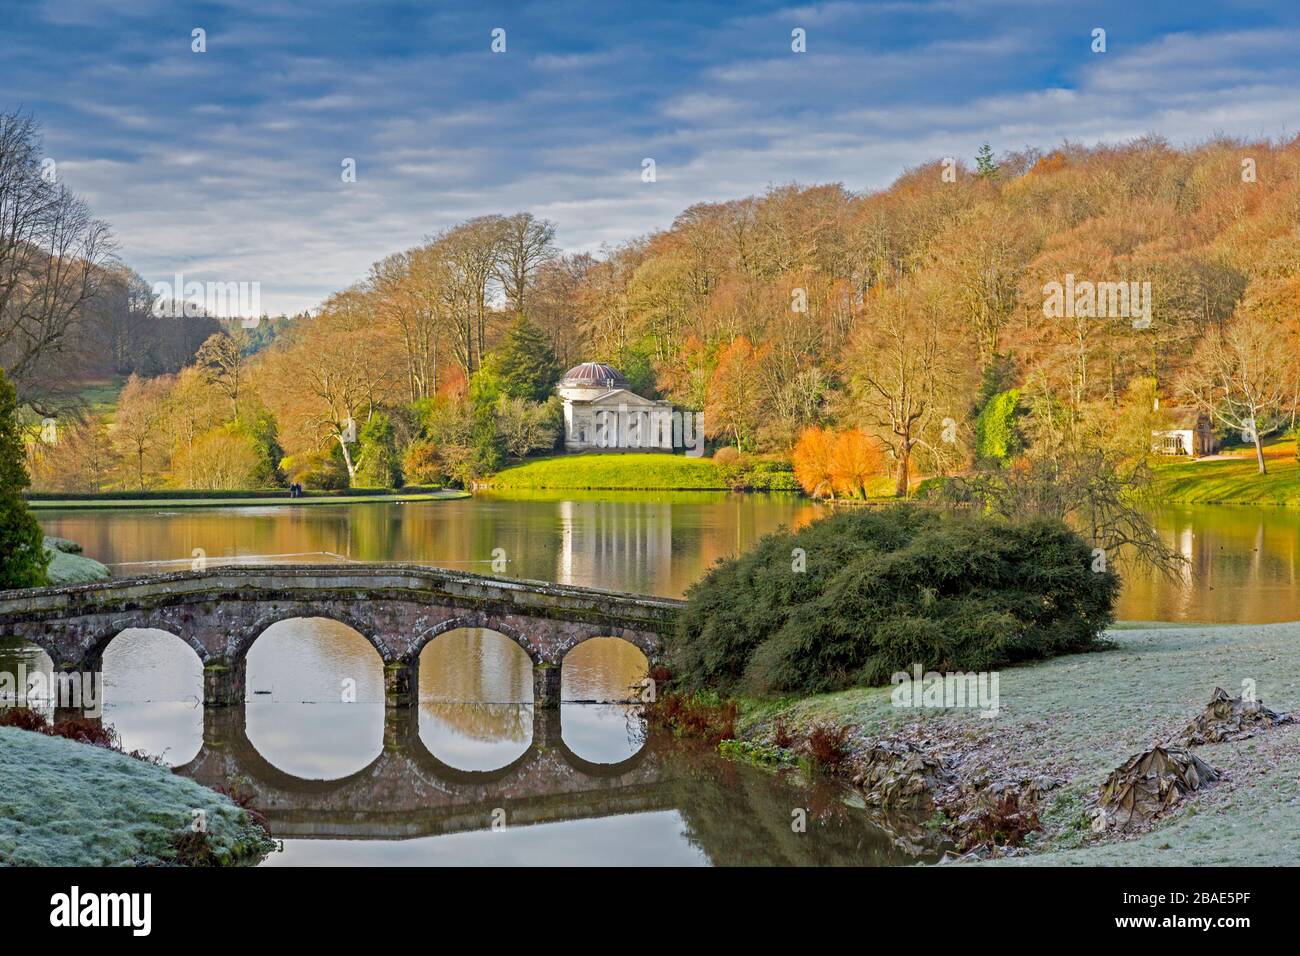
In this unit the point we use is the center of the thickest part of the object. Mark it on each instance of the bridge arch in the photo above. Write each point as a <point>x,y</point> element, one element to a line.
<point>603,668</point>
<point>99,646</point>
<point>222,612</point>
<point>648,644</point>
<point>308,658</point>
<point>470,621</point>
<point>260,624</point>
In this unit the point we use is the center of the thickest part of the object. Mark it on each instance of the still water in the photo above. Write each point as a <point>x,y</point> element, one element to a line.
<point>1241,565</point>
<point>476,774</point>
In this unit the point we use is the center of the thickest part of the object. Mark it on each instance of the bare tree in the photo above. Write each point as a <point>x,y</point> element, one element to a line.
<point>470,253</point>
<point>51,254</point>
<point>902,368</point>
<point>410,294</point>
<point>553,302</point>
<point>1243,376</point>
<point>223,363</point>
<point>525,243</point>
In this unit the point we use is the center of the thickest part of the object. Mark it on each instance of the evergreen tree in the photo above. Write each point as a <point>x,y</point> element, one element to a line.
<point>22,545</point>
<point>527,364</point>
<point>984,164</point>
<point>997,430</point>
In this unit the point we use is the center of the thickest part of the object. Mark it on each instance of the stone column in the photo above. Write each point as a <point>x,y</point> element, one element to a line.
<point>546,685</point>
<point>546,727</point>
<point>402,683</point>
<point>225,727</point>
<point>401,728</point>
<point>223,681</point>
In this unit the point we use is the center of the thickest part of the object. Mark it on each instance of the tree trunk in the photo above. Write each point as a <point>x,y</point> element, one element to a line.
<point>1259,454</point>
<point>347,460</point>
<point>902,471</point>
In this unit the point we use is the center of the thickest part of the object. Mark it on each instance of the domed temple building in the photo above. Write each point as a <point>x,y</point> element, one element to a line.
<point>602,414</point>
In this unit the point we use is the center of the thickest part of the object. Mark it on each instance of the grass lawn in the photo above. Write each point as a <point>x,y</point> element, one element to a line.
<point>1078,717</point>
<point>101,395</point>
<point>630,471</point>
<point>64,803</point>
<point>1233,479</point>
<point>248,502</point>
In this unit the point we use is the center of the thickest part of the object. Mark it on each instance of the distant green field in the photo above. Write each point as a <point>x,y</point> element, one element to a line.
<point>1233,480</point>
<point>632,471</point>
<point>101,396</point>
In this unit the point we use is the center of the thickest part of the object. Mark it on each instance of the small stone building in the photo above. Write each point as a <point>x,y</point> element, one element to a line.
<point>1189,432</point>
<point>602,414</point>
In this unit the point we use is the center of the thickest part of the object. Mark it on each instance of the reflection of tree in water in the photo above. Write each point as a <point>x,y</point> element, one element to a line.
<point>636,724</point>
<point>604,669</point>
<point>475,665</point>
<point>490,723</point>
<point>741,816</point>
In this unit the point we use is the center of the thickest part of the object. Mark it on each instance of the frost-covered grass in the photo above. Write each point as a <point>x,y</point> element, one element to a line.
<point>1078,717</point>
<point>1252,819</point>
<point>64,803</point>
<point>68,567</point>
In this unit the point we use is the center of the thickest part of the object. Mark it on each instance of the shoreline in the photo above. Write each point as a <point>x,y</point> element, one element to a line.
<point>114,809</point>
<point>1067,722</point>
<point>252,501</point>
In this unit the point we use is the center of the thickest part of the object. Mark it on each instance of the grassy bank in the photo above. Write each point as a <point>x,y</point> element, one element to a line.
<point>64,803</point>
<point>68,566</point>
<point>235,500</point>
<point>1078,717</point>
<point>631,471</point>
<point>1233,478</point>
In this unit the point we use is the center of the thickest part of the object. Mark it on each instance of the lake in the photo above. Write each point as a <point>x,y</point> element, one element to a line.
<point>1241,561</point>
<point>476,774</point>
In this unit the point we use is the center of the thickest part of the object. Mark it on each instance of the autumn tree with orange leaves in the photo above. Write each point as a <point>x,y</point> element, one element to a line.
<point>735,403</point>
<point>827,463</point>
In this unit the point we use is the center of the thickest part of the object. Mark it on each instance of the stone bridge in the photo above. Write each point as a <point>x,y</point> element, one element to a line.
<point>407,792</point>
<point>397,608</point>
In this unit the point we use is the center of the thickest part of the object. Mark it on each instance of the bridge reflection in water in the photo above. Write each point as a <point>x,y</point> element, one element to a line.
<point>364,783</point>
<point>407,791</point>
<point>670,802</point>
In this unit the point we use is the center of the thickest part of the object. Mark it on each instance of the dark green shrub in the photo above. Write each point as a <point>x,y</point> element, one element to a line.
<point>742,472</point>
<point>885,589</point>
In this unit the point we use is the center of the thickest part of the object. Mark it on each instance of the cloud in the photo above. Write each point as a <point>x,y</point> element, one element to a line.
<point>226,165</point>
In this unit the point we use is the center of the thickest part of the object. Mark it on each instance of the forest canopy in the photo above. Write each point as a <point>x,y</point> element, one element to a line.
<point>871,339</point>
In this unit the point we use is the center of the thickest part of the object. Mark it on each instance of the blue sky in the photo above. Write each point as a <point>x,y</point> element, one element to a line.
<point>225,165</point>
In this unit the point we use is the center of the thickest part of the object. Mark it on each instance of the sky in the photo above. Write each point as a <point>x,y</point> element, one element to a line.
<point>227,165</point>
